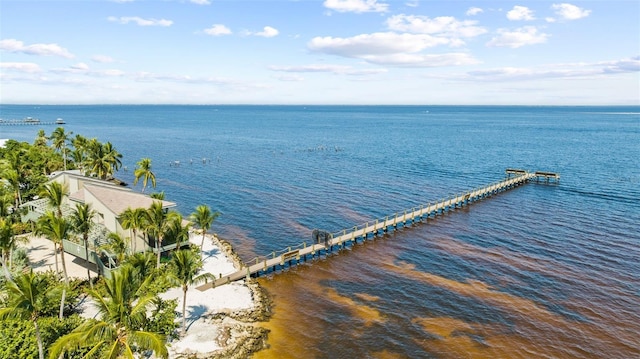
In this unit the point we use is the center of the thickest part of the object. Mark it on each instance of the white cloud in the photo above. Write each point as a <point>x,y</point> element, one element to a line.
<point>102,59</point>
<point>625,65</point>
<point>391,49</point>
<point>80,66</point>
<point>414,3</point>
<point>291,78</point>
<point>563,71</point>
<point>218,30</point>
<point>442,25</point>
<point>423,60</point>
<point>570,12</point>
<point>110,73</point>
<point>520,13</point>
<point>357,6</point>
<point>527,35</point>
<point>201,2</point>
<point>83,69</point>
<point>472,11</point>
<point>140,21</point>
<point>16,46</point>
<point>380,43</point>
<point>28,67</point>
<point>268,31</point>
<point>334,69</point>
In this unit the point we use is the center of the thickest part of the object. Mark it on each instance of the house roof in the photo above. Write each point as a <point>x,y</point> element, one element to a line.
<point>117,199</point>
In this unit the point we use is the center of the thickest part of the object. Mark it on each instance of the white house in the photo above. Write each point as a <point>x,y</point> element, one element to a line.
<point>108,200</point>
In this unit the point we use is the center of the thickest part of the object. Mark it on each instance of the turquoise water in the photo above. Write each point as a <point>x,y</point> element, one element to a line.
<point>539,271</point>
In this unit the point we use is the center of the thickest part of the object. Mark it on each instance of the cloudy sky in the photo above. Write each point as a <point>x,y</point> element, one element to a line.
<point>320,52</point>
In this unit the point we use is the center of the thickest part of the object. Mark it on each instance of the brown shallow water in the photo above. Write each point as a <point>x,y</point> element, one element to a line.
<point>475,299</point>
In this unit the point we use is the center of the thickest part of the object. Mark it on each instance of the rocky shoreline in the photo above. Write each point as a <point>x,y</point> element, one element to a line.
<point>239,334</point>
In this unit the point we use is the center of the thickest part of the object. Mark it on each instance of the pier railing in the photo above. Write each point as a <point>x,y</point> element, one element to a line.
<point>292,255</point>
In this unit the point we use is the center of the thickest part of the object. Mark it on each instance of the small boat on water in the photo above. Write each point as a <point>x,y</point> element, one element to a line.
<point>60,121</point>
<point>31,120</point>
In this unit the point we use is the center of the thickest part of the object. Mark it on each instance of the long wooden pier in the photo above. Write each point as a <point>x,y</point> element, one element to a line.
<point>329,242</point>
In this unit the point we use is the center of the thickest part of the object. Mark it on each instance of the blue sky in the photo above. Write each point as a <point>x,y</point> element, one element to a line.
<point>320,52</point>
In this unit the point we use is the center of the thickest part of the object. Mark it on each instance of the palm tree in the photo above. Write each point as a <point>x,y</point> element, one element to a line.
<point>144,171</point>
<point>113,156</point>
<point>157,195</point>
<point>81,223</point>
<point>102,159</point>
<point>133,219</point>
<point>117,245</point>
<point>203,218</point>
<point>119,333</point>
<point>97,162</point>
<point>176,230</point>
<point>55,192</point>
<point>79,153</point>
<point>56,229</point>
<point>27,298</point>
<point>10,170</point>
<point>6,202</point>
<point>144,266</point>
<point>157,225</point>
<point>7,243</point>
<point>41,139</point>
<point>59,139</point>
<point>185,265</point>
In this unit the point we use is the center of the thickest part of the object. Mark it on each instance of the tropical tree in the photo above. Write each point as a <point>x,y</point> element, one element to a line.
<point>56,229</point>
<point>6,202</point>
<point>10,170</point>
<point>120,331</point>
<point>81,223</point>
<point>97,162</point>
<point>7,243</point>
<point>79,153</point>
<point>59,139</point>
<point>144,171</point>
<point>27,296</point>
<point>113,156</point>
<point>203,218</point>
<point>133,219</point>
<point>185,265</point>
<point>157,195</point>
<point>144,267</point>
<point>41,139</point>
<point>55,193</point>
<point>117,245</point>
<point>157,225</point>
<point>176,232</point>
<point>102,159</point>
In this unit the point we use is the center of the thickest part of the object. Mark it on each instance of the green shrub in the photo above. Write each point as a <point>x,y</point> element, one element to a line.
<point>19,339</point>
<point>163,317</point>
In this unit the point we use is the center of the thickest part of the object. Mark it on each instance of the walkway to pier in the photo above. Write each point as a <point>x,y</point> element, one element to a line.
<point>326,242</point>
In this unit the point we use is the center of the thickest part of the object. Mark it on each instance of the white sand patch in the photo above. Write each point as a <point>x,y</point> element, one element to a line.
<point>199,339</point>
<point>201,335</point>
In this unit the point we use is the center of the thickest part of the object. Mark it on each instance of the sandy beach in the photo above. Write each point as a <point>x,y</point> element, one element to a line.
<point>218,319</point>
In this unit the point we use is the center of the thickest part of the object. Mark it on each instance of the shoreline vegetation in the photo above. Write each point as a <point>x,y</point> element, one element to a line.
<point>232,333</point>
<point>136,292</point>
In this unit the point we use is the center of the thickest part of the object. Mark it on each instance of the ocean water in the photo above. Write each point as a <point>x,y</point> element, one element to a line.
<point>540,271</point>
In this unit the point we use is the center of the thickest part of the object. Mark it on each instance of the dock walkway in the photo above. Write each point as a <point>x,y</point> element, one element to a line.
<point>326,242</point>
